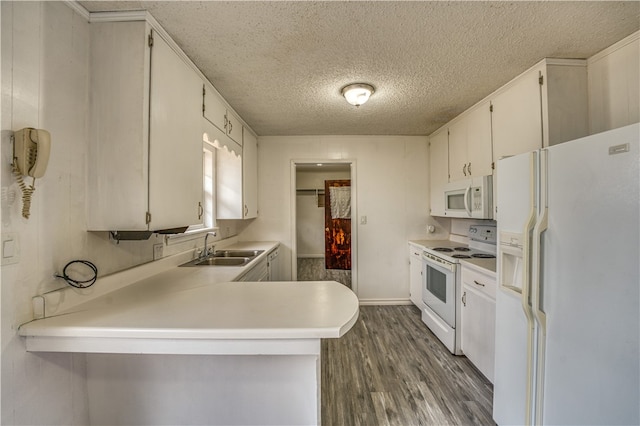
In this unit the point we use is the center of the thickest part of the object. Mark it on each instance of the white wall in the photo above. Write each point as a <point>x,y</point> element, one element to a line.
<point>614,85</point>
<point>45,388</point>
<point>392,191</point>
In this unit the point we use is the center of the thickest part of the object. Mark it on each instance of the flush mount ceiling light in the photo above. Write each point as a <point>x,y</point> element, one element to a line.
<point>358,93</point>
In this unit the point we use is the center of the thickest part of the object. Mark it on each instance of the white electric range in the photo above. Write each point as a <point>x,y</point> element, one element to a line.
<point>441,281</point>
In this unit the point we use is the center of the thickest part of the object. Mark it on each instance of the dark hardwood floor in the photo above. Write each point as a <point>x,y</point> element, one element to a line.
<point>389,369</point>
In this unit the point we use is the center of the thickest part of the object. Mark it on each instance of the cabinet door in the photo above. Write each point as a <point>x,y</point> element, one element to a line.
<point>214,108</point>
<point>175,148</point>
<point>479,151</point>
<point>117,157</point>
<point>234,128</point>
<point>478,330</point>
<point>438,171</point>
<point>458,150</point>
<point>250,174</point>
<point>614,86</point>
<point>516,117</point>
<point>415,276</point>
<point>229,204</point>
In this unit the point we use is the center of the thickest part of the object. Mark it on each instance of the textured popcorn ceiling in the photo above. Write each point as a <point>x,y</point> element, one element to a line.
<point>281,65</point>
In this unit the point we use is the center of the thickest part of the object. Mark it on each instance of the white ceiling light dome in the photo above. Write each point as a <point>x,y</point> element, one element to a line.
<point>357,93</point>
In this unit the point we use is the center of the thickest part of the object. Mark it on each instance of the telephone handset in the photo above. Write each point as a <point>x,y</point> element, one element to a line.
<point>31,150</point>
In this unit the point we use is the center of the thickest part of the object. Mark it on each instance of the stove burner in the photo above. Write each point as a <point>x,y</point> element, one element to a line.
<point>443,249</point>
<point>462,249</point>
<point>483,256</point>
<point>461,256</point>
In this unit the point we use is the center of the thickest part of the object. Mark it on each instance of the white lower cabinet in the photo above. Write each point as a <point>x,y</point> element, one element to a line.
<point>259,272</point>
<point>415,275</point>
<point>479,318</point>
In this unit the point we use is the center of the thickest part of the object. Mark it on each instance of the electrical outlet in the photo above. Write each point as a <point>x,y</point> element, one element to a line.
<point>158,251</point>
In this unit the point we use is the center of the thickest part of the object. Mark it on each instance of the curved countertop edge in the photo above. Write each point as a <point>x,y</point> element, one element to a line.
<point>164,324</point>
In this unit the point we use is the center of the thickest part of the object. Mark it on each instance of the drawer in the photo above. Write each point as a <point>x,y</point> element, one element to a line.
<point>484,282</point>
<point>415,251</point>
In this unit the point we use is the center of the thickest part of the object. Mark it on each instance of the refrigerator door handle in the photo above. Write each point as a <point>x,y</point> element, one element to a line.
<point>540,227</point>
<point>536,302</point>
<point>467,204</point>
<point>526,284</point>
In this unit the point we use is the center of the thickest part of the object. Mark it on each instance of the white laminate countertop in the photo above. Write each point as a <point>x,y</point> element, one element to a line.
<point>198,310</point>
<point>484,265</point>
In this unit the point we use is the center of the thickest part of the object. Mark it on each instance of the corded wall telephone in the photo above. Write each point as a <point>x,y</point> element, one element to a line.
<point>31,149</point>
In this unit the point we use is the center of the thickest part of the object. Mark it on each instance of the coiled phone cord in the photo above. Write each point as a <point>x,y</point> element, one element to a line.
<point>79,283</point>
<point>27,190</point>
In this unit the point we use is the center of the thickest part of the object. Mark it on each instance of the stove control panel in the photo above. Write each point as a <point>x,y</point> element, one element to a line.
<point>484,233</point>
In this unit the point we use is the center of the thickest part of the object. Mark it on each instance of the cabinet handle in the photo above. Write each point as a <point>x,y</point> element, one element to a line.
<point>200,210</point>
<point>464,298</point>
<point>469,168</point>
<point>226,121</point>
<point>477,283</point>
<point>464,169</point>
<point>230,126</point>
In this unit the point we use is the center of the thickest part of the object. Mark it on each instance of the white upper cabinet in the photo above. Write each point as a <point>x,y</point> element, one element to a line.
<point>544,106</point>
<point>516,117</point>
<point>216,111</point>
<point>438,170</point>
<point>175,155</point>
<point>470,143</point>
<point>236,176</point>
<point>614,85</point>
<point>145,144</point>
<point>250,174</point>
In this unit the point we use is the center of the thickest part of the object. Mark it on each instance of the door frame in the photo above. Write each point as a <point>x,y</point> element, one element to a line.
<point>354,216</point>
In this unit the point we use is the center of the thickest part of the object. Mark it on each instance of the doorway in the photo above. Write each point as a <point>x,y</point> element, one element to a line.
<point>324,245</point>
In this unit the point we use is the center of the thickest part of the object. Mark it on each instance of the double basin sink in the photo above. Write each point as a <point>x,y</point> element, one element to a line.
<point>226,258</point>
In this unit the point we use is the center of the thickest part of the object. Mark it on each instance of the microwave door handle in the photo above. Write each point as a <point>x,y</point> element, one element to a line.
<point>467,204</point>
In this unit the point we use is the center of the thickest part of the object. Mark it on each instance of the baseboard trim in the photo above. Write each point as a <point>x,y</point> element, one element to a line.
<point>370,302</point>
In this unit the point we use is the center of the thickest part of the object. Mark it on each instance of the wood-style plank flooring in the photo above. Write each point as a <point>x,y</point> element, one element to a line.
<point>389,369</point>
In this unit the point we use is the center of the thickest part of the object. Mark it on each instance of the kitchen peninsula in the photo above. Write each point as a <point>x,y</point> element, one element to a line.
<point>189,346</point>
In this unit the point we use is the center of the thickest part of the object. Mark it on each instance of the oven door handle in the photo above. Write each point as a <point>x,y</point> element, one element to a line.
<point>467,203</point>
<point>443,268</point>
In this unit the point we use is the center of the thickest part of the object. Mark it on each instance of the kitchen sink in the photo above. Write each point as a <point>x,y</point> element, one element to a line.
<point>226,258</point>
<point>237,253</point>
<point>219,261</point>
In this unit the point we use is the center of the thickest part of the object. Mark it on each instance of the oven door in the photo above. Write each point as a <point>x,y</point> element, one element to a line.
<point>439,289</point>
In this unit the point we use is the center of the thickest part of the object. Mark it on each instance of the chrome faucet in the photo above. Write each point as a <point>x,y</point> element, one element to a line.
<point>205,251</point>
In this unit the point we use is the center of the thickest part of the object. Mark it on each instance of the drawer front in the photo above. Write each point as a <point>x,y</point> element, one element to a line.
<point>485,283</point>
<point>415,251</point>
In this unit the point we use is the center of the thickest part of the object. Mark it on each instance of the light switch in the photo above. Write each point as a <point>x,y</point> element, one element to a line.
<point>10,248</point>
<point>363,220</point>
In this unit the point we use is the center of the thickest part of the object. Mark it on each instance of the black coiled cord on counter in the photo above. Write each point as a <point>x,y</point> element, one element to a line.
<point>79,283</point>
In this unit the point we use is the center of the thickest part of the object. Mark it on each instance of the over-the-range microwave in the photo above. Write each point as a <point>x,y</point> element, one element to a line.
<point>469,198</point>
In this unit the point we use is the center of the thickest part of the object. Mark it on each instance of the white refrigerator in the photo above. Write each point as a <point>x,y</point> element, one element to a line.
<point>568,300</point>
